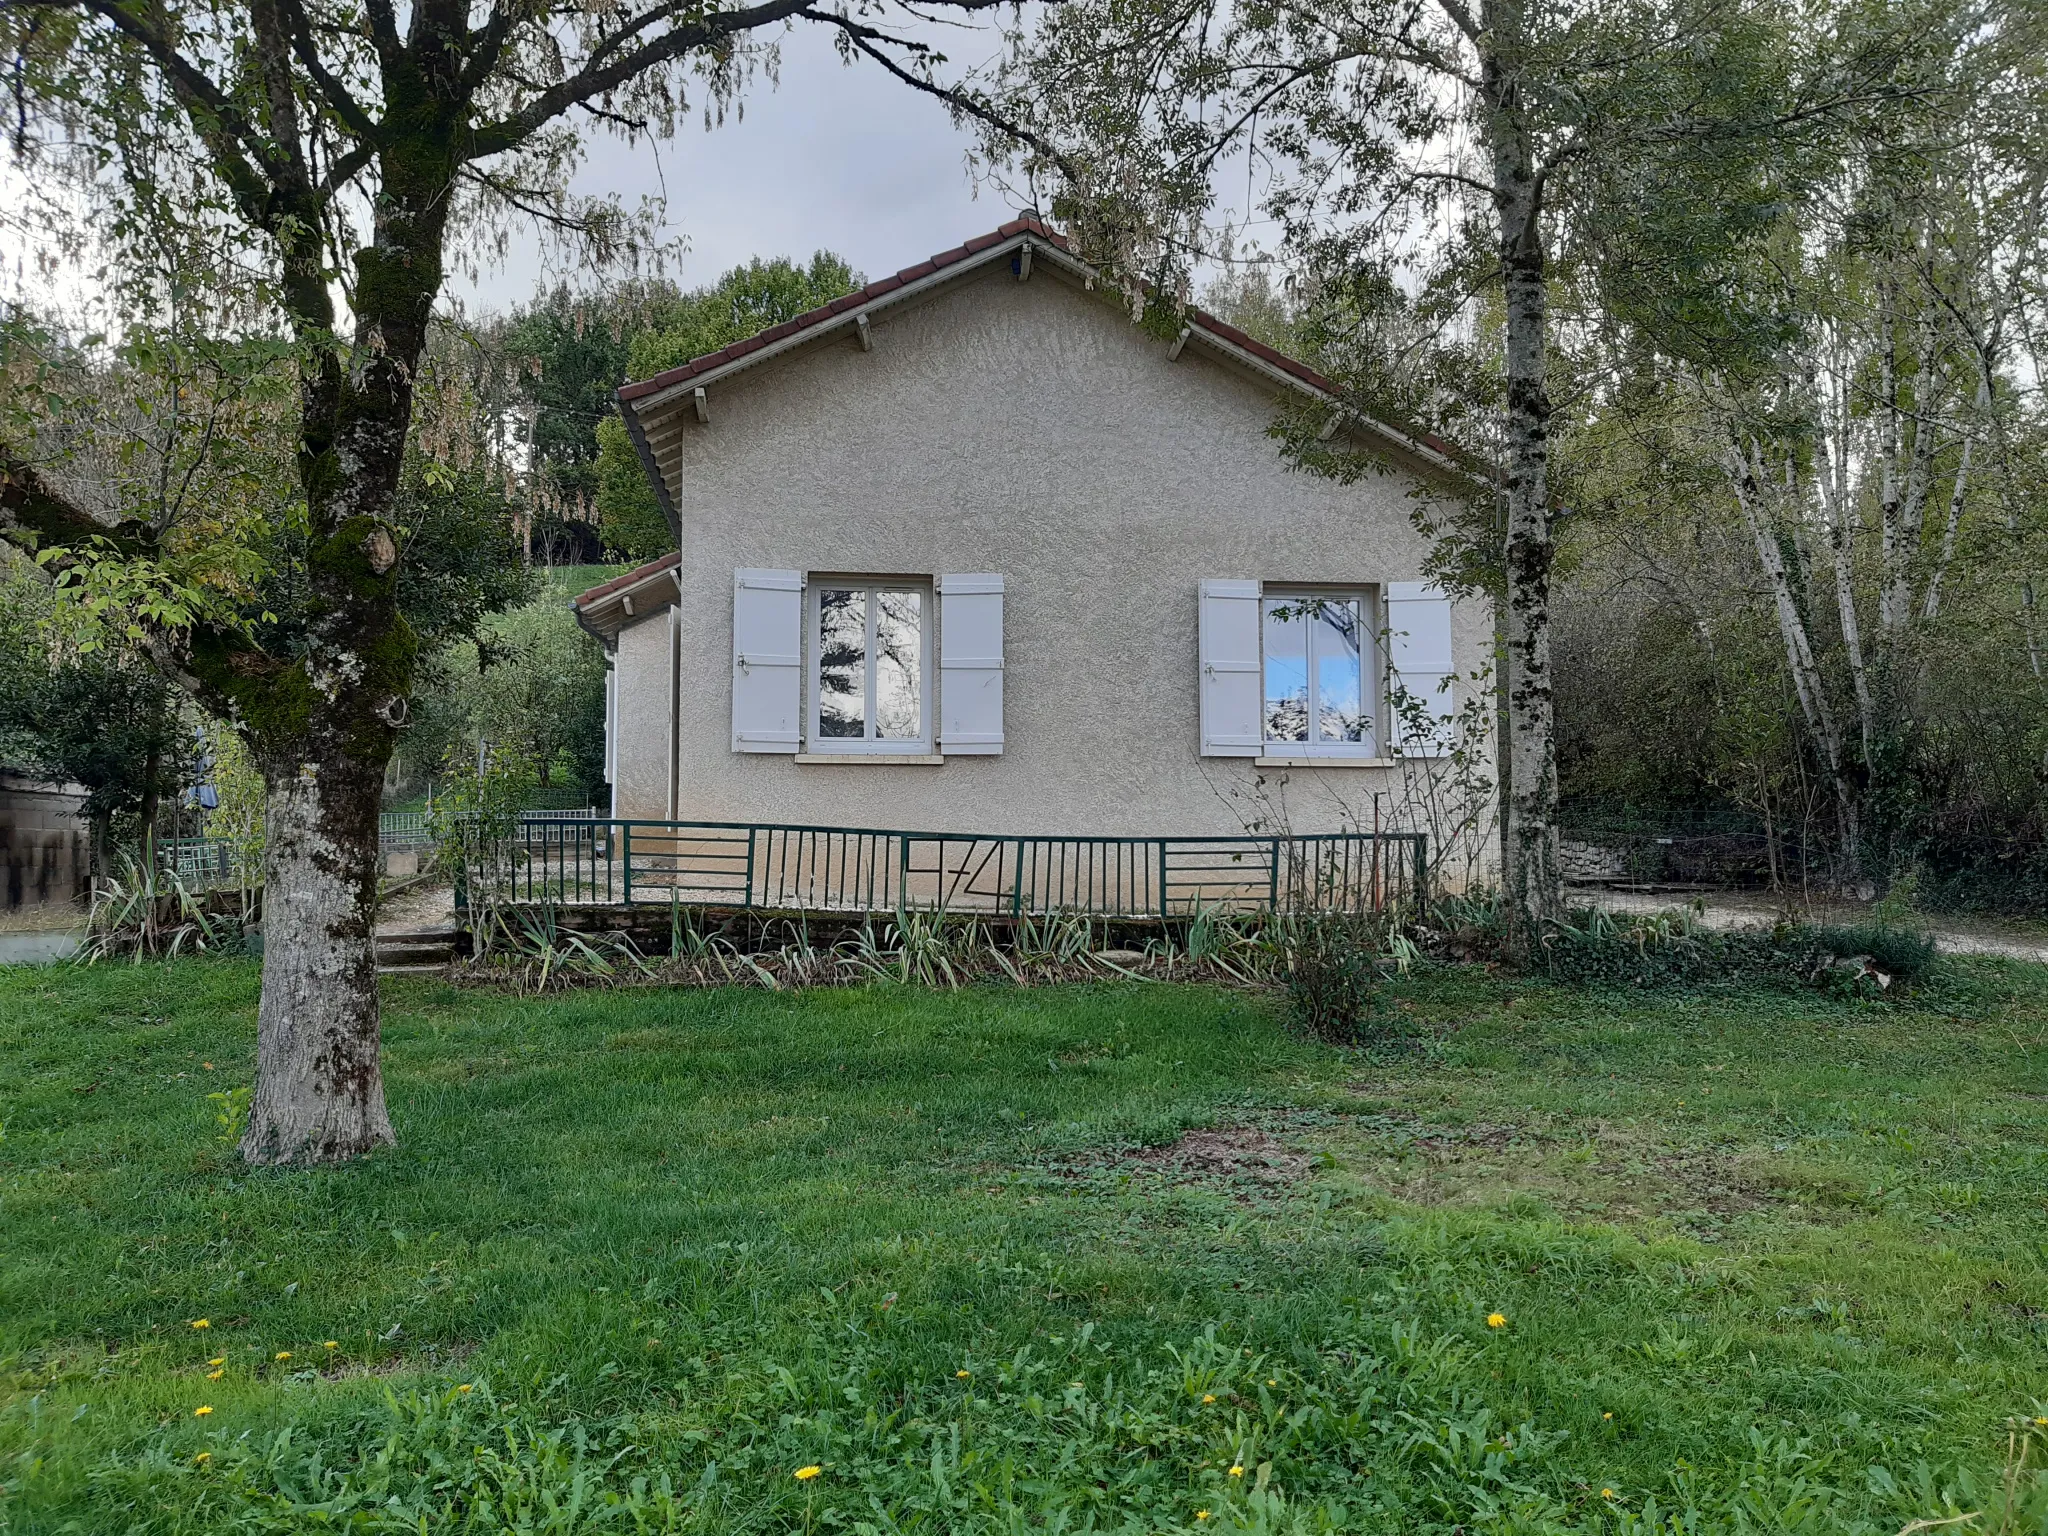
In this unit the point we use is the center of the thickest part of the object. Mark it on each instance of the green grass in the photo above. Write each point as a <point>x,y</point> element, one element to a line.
<point>1768,1261</point>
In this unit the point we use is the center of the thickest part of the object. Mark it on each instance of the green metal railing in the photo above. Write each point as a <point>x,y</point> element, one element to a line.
<point>790,868</point>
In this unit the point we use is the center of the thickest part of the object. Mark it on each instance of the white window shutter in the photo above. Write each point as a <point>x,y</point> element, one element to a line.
<point>767,660</point>
<point>971,665</point>
<point>1419,659</point>
<point>1233,697</point>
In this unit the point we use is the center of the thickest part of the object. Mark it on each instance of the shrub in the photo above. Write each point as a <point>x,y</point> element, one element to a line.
<point>1335,965</point>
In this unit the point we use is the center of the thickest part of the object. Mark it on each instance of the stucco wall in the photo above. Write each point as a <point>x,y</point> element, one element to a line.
<point>1025,428</point>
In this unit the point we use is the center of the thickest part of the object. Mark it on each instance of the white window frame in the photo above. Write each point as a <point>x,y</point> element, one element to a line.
<point>818,744</point>
<point>1372,667</point>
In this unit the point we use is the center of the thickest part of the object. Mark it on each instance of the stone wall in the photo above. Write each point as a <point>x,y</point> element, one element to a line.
<point>45,853</point>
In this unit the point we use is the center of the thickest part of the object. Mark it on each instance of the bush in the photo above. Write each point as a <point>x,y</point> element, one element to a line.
<point>1336,963</point>
<point>1595,948</point>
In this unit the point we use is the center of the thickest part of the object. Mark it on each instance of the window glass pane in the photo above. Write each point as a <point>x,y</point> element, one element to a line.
<point>1340,670</point>
<point>842,662</point>
<point>1286,646</point>
<point>899,666</point>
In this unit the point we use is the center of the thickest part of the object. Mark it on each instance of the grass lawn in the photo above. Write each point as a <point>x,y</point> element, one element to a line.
<point>1759,1261</point>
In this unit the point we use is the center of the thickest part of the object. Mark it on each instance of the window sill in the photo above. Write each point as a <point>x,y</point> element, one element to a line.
<point>1323,762</point>
<point>875,759</point>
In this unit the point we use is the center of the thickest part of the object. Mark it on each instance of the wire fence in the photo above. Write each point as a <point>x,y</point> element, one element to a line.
<point>811,869</point>
<point>1715,847</point>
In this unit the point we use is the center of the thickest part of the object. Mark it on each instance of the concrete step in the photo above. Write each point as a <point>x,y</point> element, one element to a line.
<point>437,968</point>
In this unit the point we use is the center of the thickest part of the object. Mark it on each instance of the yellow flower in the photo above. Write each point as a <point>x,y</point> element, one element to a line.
<point>1606,1493</point>
<point>200,1322</point>
<point>282,1354</point>
<point>216,1375</point>
<point>333,1344</point>
<point>465,1387</point>
<point>202,1410</point>
<point>1496,1320</point>
<point>218,1360</point>
<point>962,1375</point>
<point>1272,1381</point>
<point>202,1458</point>
<point>1208,1397</point>
<point>1201,1514</point>
<point>1237,1471</point>
<point>1606,1415</point>
<point>805,1474</point>
<point>2041,1421</point>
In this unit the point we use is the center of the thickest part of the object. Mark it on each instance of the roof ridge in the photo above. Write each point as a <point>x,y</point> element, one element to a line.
<point>1026,225</point>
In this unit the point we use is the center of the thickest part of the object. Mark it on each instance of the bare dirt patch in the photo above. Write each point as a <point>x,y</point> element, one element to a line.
<point>1246,1161</point>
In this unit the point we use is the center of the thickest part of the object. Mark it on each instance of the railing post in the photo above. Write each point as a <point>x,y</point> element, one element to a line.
<point>1016,878</point>
<point>1273,876</point>
<point>626,863</point>
<point>902,870</point>
<point>752,833</point>
<point>1164,909</point>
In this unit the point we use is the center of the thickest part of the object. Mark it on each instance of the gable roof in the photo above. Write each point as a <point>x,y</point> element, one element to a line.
<point>651,407</point>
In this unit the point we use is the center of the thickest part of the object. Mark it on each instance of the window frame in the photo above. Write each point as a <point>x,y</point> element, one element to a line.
<point>816,743</point>
<point>1372,682</point>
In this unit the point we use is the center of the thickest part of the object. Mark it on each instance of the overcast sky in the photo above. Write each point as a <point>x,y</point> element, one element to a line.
<point>835,157</point>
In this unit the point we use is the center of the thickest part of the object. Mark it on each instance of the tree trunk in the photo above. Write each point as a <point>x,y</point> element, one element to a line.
<point>1534,877</point>
<point>319,1094</point>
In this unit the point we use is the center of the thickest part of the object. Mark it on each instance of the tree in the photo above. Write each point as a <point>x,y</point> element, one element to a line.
<point>1433,164</point>
<point>91,714</point>
<point>296,170</point>
<point>746,300</point>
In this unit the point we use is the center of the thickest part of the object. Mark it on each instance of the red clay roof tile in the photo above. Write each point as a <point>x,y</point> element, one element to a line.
<point>631,578</point>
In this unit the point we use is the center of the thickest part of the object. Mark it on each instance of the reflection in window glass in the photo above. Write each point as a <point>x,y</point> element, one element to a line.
<point>1340,670</point>
<point>842,662</point>
<point>1286,645</point>
<point>899,666</point>
<point>1315,645</point>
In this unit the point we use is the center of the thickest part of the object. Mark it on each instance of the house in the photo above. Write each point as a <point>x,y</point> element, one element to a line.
<point>971,550</point>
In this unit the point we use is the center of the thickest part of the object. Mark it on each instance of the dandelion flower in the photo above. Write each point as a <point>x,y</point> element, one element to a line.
<point>282,1354</point>
<point>1606,1493</point>
<point>2041,1421</point>
<point>332,1344</point>
<point>1272,1381</point>
<point>216,1375</point>
<point>200,1322</point>
<point>202,1410</point>
<point>218,1360</point>
<point>1201,1514</point>
<point>1208,1397</point>
<point>1496,1320</point>
<point>202,1458</point>
<point>805,1474</point>
<point>465,1388</point>
<point>962,1375</point>
<point>1607,1415</point>
<point>1236,1471</point>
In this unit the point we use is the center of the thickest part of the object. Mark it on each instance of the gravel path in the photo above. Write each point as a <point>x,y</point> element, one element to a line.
<point>1737,909</point>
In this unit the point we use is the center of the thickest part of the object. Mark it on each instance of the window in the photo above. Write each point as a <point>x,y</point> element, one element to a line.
<point>870,667</point>
<point>1319,679</point>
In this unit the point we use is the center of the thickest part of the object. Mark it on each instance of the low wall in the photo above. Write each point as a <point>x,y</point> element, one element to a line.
<point>45,852</point>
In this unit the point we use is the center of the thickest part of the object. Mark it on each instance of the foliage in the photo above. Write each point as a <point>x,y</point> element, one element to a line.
<point>101,718</point>
<point>743,301</point>
<point>679,1245</point>
<point>1597,948</point>
<point>530,684</point>
<point>1336,962</point>
<point>144,912</point>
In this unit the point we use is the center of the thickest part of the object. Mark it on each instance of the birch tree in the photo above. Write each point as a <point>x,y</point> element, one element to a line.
<point>1439,150</point>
